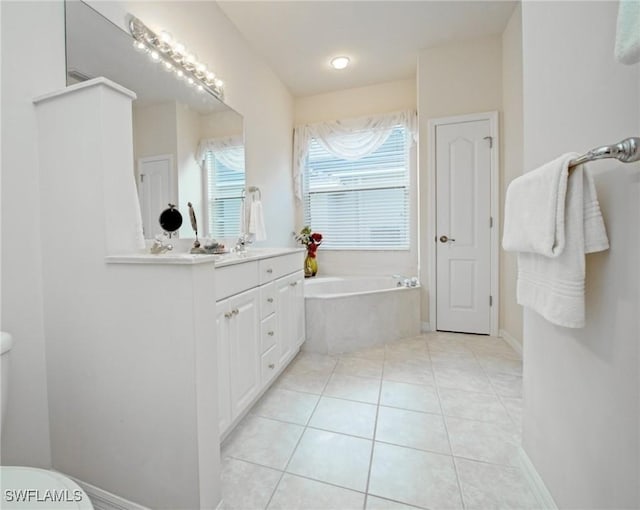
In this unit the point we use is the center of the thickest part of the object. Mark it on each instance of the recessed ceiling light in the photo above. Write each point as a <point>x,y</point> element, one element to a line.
<point>340,62</point>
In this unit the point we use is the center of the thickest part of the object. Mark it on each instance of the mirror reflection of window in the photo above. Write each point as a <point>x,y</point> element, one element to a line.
<point>225,184</point>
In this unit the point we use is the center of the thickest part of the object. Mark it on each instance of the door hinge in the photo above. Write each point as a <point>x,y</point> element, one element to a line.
<point>490,300</point>
<point>141,177</point>
<point>490,138</point>
<point>490,221</point>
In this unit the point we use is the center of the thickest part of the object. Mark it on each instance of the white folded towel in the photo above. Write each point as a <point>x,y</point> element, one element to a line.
<point>534,209</point>
<point>627,48</point>
<point>256,221</point>
<point>551,264</point>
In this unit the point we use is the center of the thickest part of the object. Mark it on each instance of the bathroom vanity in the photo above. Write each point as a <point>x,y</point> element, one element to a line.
<point>133,350</point>
<point>259,325</point>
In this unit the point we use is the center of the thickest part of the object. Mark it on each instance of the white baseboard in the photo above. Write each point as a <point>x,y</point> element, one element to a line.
<point>425,327</point>
<point>542,494</point>
<point>511,340</point>
<point>103,500</point>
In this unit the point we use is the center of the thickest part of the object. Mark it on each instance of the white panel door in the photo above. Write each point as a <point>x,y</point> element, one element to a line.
<point>463,230</point>
<point>154,191</point>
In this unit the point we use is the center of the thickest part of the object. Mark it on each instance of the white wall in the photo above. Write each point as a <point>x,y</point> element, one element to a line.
<point>581,387</point>
<point>511,163</point>
<point>358,102</point>
<point>455,79</point>
<point>30,66</point>
<point>189,171</point>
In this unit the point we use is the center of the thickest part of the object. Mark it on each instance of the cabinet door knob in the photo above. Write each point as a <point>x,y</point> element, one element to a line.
<point>270,333</point>
<point>269,271</point>
<point>270,300</point>
<point>272,365</point>
<point>235,311</point>
<point>227,315</point>
<point>293,284</point>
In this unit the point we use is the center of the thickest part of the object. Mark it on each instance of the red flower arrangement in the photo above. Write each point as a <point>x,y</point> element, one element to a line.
<point>310,239</point>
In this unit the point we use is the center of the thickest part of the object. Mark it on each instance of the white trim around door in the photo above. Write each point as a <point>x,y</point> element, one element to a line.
<point>492,117</point>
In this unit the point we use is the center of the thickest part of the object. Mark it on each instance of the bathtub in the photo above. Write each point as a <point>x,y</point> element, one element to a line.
<point>344,314</point>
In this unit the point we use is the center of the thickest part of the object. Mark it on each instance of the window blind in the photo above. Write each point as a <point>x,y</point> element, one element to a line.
<point>361,204</point>
<point>224,197</point>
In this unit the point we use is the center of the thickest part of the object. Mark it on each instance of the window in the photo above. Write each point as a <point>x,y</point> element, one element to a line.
<point>224,186</point>
<point>363,203</point>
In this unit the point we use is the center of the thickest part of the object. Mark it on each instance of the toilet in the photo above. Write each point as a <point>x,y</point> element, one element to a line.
<point>33,488</point>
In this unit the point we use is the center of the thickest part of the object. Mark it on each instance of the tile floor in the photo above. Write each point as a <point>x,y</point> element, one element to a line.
<point>429,422</point>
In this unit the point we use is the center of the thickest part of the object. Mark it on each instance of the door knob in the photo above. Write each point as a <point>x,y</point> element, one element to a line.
<point>445,239</point>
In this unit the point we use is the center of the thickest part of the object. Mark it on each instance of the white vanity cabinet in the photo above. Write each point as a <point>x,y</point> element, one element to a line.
<point>238,348</point>
<point>289,314</point>
<point>260,327</point>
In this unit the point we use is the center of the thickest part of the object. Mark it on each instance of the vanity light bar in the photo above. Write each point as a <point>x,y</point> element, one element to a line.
<point>173,56</point>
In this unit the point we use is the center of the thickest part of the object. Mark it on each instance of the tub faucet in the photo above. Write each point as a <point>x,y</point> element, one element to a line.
<point>403,281</point>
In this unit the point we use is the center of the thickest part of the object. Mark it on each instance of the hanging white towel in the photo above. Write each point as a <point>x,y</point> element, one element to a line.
<point>554,284</point>
<point>627,48</point>
<point>534,209</point>
<point>256,221</point>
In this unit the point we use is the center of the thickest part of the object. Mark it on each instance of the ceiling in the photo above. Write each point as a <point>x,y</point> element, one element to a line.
<point>382,38</point>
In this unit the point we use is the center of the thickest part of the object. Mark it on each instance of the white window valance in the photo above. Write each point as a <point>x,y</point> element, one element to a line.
<point>229,150</point>
<point>349,139</point>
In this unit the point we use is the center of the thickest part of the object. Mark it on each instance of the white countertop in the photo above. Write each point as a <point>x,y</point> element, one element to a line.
<point>228,259</point>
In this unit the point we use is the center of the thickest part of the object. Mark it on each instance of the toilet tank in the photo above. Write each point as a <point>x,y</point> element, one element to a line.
<point>6,342</point>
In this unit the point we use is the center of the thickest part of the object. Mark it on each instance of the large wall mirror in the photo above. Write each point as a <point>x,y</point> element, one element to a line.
<point>188,146</point>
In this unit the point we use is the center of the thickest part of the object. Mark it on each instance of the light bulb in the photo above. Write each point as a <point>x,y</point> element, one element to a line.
<point>165,37</point>
<point>155,56</point>
<point>190,60</point>
<point>179,48</point>
<point>201,68</point>
<point>179,73</point>
<point>190,80</point>
<point>218,82</point>
<point>139,45</point>
<point>339,62</point>
<point>168,65</point>
<point>200,88</point>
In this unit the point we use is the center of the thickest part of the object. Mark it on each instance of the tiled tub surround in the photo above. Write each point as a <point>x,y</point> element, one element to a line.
<point>333,303</point>
<point>429,422</point>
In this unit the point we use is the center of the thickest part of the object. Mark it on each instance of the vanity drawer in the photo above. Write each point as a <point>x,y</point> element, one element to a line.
<point>275,267</point>
<point>269,364</point>
<point>236,278</point>
<point>268,333</point>
<point>267,300</point>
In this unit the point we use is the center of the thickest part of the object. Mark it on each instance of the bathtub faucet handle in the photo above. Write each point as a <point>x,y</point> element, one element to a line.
<point>403,281</point>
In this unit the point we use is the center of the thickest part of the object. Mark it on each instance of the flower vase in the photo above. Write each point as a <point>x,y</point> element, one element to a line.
<point>310,266</point>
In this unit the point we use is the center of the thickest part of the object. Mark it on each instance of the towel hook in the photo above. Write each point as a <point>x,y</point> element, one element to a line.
<point>254,190</point>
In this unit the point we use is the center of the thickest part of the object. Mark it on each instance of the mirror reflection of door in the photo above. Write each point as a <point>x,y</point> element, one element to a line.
<point>154,191</point>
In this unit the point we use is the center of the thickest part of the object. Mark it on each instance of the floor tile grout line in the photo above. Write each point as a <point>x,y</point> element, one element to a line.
<point>304,430</point>
<point>375,430</point>
<point>455,468</point>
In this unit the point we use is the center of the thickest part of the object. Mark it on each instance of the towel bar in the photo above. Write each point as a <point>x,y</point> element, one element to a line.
<point>627,151</point>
